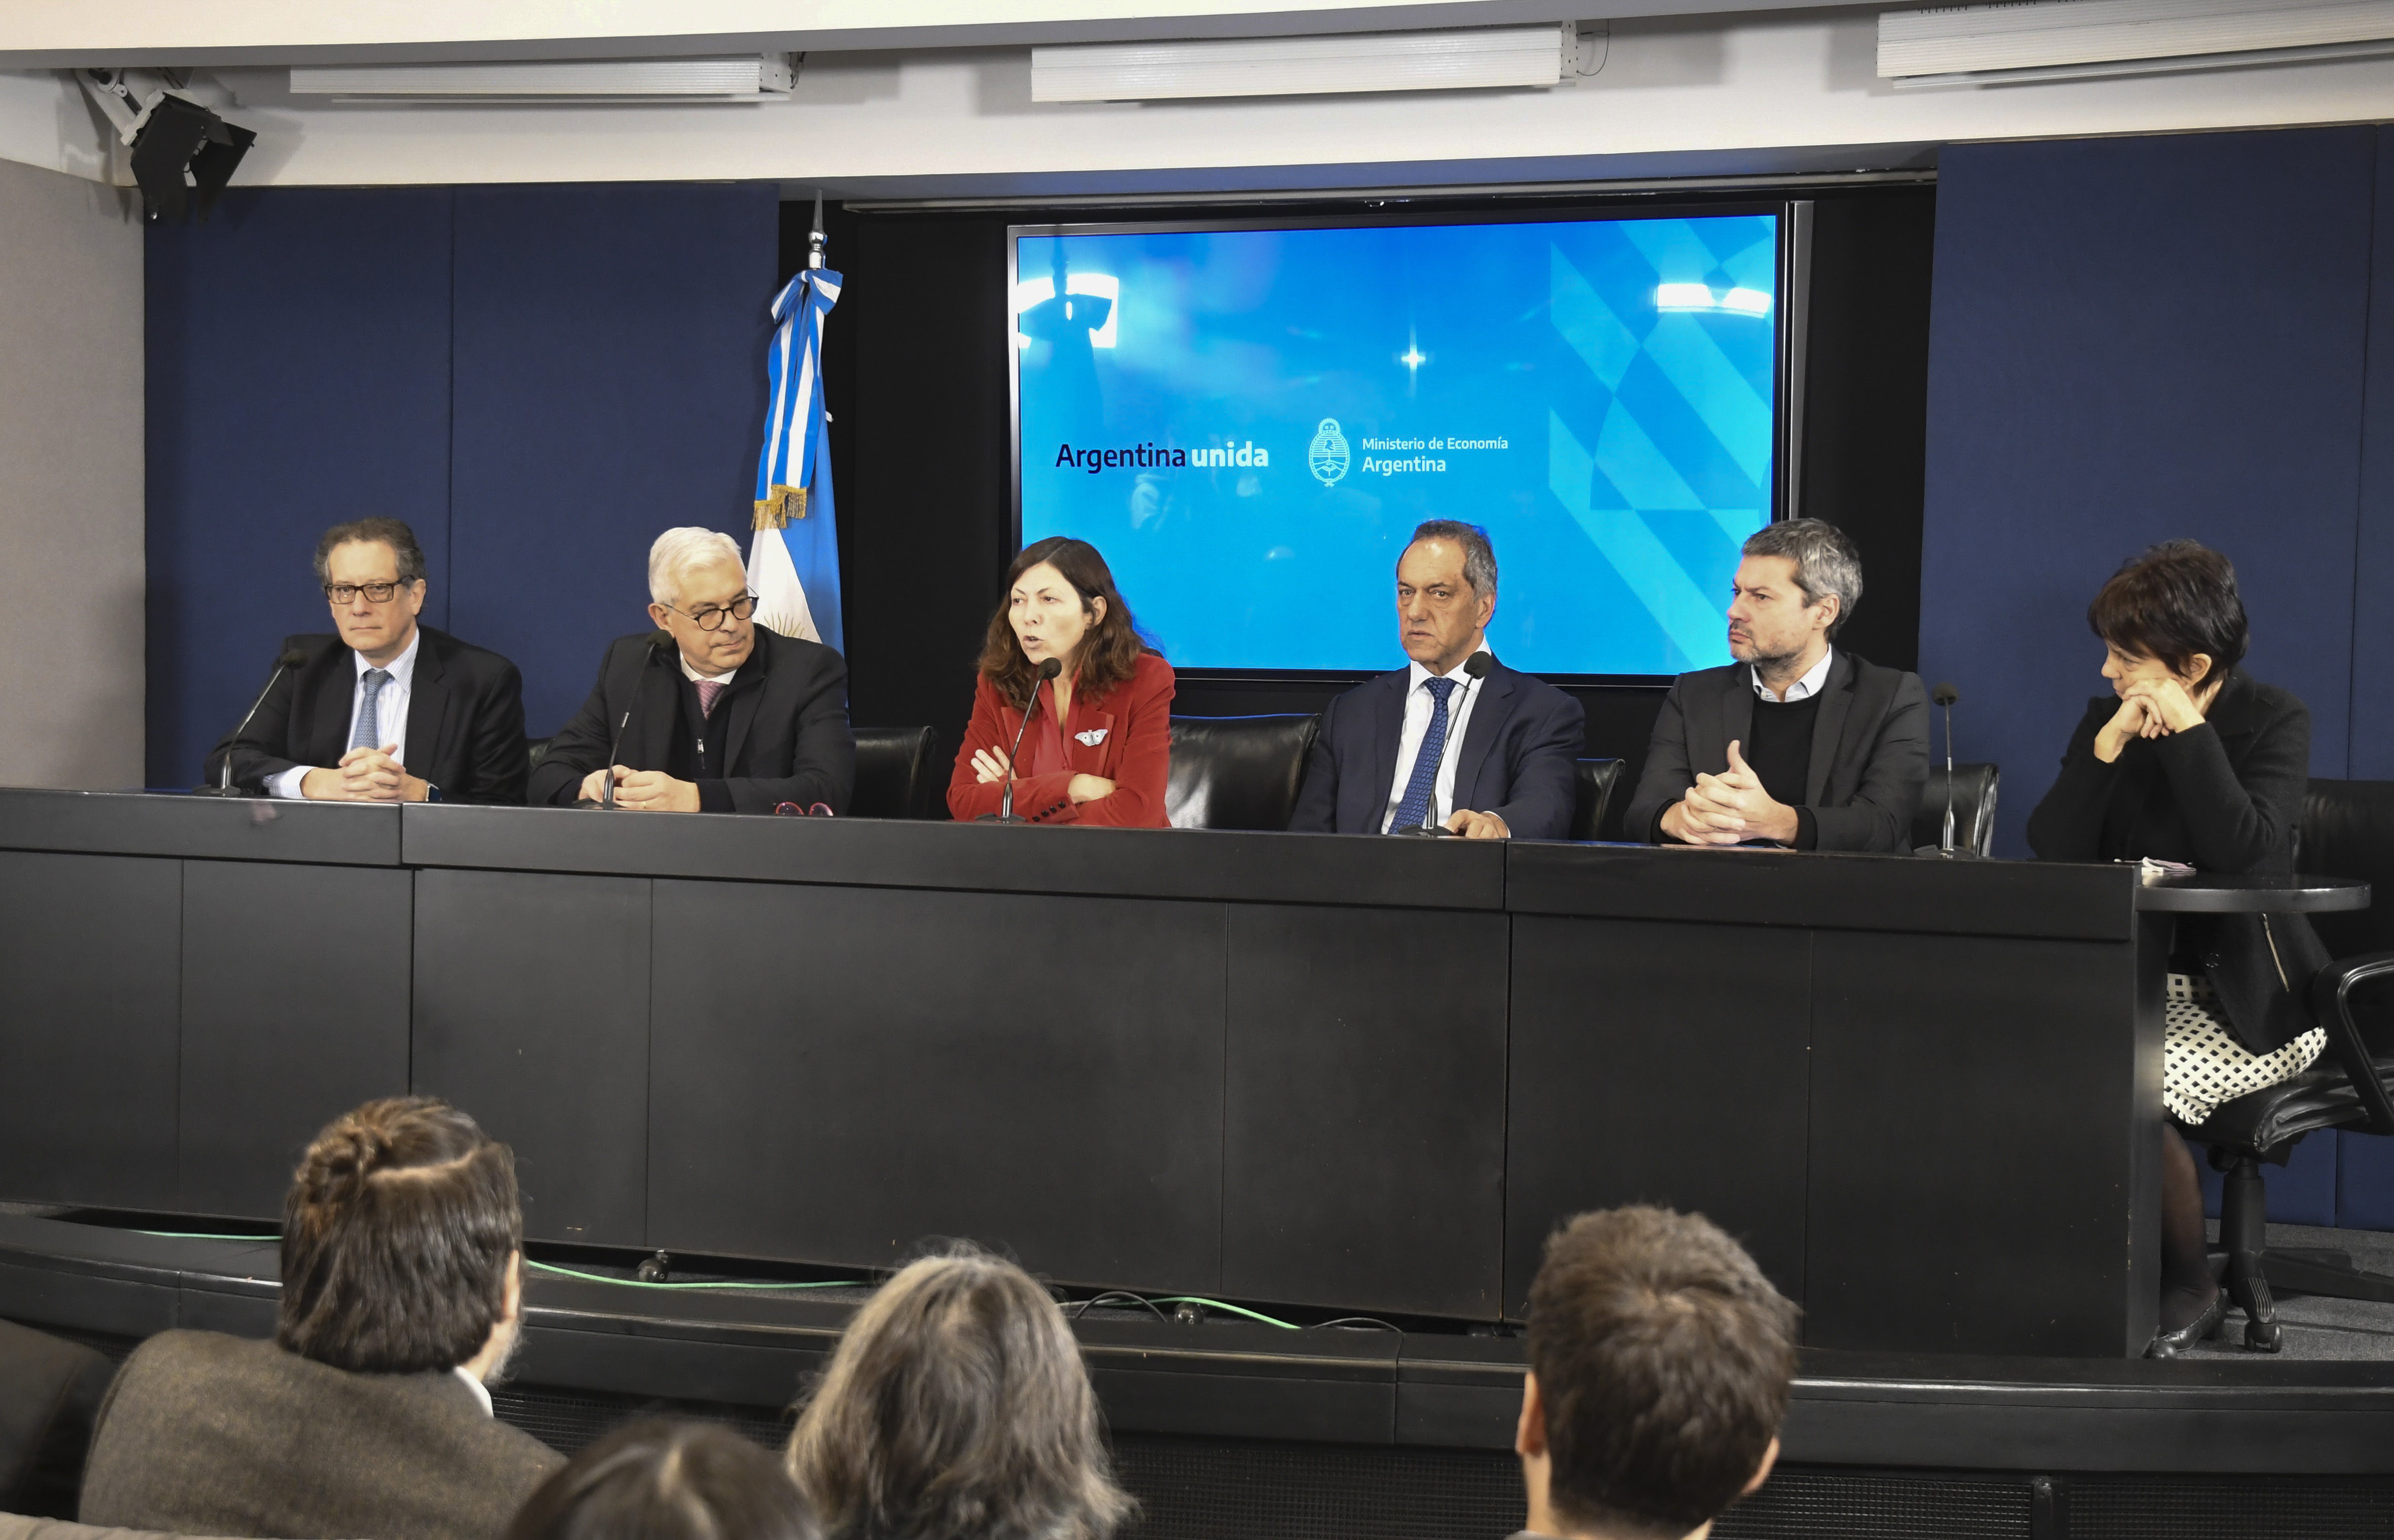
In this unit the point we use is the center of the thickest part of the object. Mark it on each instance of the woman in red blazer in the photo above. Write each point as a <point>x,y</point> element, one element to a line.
<point>1100,748</point>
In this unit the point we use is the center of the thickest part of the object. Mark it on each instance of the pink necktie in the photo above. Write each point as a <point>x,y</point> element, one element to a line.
<point>707,690</point>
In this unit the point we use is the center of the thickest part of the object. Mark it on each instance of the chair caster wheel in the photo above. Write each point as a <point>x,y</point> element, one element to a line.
<point>2264,1337</point>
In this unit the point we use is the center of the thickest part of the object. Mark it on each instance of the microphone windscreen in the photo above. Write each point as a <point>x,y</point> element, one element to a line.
<point>1051,668</point>
<point>1946,694</point>
<point>1477,665</point>
<point>293,658</point>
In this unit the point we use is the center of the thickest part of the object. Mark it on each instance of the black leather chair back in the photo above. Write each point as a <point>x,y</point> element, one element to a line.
<point>896,774</point>
<point>1592,796</point>
<point>1237,772</point>
<point>1974,809</point>
<point>2347,830</point>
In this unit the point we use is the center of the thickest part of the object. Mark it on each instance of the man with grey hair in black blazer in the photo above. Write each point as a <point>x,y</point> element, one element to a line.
<point>1797,743</point>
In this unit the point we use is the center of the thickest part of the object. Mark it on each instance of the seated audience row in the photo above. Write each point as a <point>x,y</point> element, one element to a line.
<point>955,1407</point>
<point>712,712</point>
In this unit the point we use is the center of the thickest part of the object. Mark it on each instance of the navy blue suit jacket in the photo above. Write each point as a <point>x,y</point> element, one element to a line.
<point>1516,759</point>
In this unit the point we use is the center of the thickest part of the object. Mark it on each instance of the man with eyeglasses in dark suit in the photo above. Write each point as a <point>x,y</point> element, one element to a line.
<point>715,712</point>
<point>385,710</point>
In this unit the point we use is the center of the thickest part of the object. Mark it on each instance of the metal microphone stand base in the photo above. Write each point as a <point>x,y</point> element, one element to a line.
<point>1940,853</point>
<point>1000,818</point>
<point>1425,831</point>
<point>218,791</point>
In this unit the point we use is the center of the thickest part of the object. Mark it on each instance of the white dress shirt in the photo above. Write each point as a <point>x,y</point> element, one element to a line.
<point>1420,704</point>
<point>1802,689</point>
<point>390,713</point>
<point>481,1391</point>
<point>725,678</point>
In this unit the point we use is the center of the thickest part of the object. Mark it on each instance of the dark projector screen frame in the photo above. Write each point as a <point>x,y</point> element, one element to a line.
<point>1793,273</point>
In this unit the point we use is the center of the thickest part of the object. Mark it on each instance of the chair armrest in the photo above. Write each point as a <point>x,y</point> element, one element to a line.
<point>2330,1005</point>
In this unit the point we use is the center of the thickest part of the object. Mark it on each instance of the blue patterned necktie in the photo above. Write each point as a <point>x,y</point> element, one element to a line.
<point>1414,811</point>
<point>367,734</point>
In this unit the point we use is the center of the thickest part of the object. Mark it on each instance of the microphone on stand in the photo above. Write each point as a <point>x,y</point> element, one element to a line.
<point>1476,666</point>
<point>1004,814</point>
<point>290,658</point>
<point>606,799</point>
<point>1945,696</point>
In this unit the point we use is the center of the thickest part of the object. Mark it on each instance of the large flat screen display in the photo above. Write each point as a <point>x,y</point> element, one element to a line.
<point>1249,422</point>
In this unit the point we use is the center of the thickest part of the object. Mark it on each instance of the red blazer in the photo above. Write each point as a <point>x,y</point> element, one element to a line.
<point>1135,754</point>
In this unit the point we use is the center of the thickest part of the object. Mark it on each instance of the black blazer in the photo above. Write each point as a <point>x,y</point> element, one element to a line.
<point>1870,751</point>
<point>1516,759</point>
<point>2226,798</point>
<point>785,727</point>
<point>465,719</point>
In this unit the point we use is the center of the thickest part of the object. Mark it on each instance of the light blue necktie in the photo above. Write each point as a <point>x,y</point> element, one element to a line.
<point>367,734</point>
<point>1414,811</point>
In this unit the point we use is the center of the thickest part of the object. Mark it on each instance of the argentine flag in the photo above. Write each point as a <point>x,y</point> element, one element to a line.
<point>793,556</point>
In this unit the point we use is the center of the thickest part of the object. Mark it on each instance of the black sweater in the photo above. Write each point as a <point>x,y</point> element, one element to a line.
<point>2223,798</point>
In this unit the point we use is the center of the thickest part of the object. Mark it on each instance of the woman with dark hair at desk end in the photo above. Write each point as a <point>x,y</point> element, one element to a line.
<point>1098,750</point>
<point>2191,759</point>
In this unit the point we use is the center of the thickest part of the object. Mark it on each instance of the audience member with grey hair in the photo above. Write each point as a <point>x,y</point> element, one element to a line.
<point>716,713</point>
<point>1797,743</point>
<point>1437,746</point>
<point>956,1405</point>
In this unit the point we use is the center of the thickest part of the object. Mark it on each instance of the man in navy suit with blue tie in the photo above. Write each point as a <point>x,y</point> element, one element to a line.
<point>1489,758</point>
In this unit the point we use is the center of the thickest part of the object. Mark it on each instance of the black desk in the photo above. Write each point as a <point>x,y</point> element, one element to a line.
<point>1366,1074</point>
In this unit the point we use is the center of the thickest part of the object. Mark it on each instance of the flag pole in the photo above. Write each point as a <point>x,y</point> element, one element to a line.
<point>816,241</point>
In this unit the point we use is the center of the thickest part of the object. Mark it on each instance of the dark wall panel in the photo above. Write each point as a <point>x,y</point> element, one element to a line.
<point>2135,339</point>
<point>1083,1135</point>
<point>298,376</point>
<point>294,1010</point>
<point>1364,1110</point>
<point>1954,1110</point>
<point>88,1056</point>
<point>531,1012</point>
<point>610,386</point>
<point>1644,1071</point>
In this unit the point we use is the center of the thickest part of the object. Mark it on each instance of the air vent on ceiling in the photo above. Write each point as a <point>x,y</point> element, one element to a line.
<point>1477,57</point>
<point>746,77</point>
<point>2081,39</point>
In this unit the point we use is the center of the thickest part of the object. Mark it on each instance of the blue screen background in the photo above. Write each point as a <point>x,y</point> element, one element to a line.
<point>1597,394</point>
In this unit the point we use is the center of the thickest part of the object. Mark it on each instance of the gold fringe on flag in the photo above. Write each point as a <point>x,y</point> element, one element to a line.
<point>786,503</point>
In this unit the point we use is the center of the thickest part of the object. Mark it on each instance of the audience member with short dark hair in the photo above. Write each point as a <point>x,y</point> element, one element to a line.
<point>368,1414</point>
<point>956,1408</point>
<point>1660,1363</point>
<point>659,1480</point>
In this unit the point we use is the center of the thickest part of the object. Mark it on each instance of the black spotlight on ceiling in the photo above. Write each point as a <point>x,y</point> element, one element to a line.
<point>180,149</point>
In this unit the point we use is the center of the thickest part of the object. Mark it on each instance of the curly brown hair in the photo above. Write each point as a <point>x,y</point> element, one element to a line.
<point>1109,653</point>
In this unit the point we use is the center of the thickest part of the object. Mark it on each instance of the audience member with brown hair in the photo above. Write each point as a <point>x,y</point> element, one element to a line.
<point>1660,1363</point>
<point>368,1414</point>
<point>668,1481</point>
<point>956,1408</point>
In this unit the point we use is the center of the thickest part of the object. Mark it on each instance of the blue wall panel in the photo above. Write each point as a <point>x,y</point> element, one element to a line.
<point>2303,1191</point>
<point>610,386</point>
<point>298,376</point>
<point>2372,602</point>
<point>2134,339</point>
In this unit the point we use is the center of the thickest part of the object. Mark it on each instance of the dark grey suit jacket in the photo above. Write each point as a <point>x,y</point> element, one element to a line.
<point>1870,751</point>
<point>208,1434</point>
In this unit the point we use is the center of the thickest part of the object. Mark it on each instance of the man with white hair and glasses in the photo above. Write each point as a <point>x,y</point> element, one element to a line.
<point>1798,743</point>
<point>715,713</point>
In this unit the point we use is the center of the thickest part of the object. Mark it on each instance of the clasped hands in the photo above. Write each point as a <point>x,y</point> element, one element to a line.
<point>2148,708</point>
<point>364,776</point>
<point>642,790</point>
<point>989,765</point>
<point>1728,809</point>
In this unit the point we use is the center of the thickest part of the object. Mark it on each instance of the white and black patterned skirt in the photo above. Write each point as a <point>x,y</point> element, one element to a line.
<point>2203,1065</point>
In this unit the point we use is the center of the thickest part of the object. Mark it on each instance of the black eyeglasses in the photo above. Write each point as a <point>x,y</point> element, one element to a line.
<point>380,593</point>
<point>711,618</point>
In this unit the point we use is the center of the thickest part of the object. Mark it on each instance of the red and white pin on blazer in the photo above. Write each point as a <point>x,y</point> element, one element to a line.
<point>1092,737</point>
